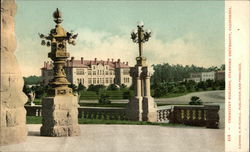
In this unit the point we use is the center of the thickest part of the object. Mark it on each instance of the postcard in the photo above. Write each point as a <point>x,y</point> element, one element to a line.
<point>110,76</point>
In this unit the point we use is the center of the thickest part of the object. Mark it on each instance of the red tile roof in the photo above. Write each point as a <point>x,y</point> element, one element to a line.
<point>88,63</point>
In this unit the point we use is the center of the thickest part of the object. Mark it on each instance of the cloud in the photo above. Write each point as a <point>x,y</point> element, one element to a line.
<point>186,50</point>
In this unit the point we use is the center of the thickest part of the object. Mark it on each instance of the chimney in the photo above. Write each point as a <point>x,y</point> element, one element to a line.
<point>81,60</point>
<point>118,60</point>
<point>44,64</point>
<point>95,60</point>
<point>108,60</point>
<point>112,60</point>
<point>123,62</point>
<point>126,63</point>
<point>72,60</point>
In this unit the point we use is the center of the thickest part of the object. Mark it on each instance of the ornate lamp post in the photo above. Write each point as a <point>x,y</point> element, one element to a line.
<point>57,40</point>
<point>140,36</point>
<point>60,108</point>
<point>142,107</point>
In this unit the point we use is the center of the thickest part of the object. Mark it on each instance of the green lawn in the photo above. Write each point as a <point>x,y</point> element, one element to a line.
<point>103,105</point>
<point>172,95</point>
<point>33,120</point>
<point>38,120</point>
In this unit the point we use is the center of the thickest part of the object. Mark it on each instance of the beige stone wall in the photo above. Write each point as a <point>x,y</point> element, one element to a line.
<point>13,114</point>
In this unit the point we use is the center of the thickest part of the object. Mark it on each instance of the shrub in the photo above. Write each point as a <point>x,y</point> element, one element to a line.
<point>95,88</point>
<point>123,86</point>
<point>113,87</point>
<point>73,87</point>
<point>195,101</point>
<point>182,89</point>
<point>81,87</point>
<point>104,99</point>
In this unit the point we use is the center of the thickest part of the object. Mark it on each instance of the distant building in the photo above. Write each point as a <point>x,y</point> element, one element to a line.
<point>220,75</point>
<point>207,76</point>
<point>204,76</point>
<point>87,72</point>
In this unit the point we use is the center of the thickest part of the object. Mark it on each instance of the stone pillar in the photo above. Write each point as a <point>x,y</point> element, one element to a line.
<point>142,107</point>
<point>60,116</point>
<point>138,87</point>
<point>147,86</point>
<point>13,115</point>
<point>148,105</point>
<point>60,108</point>
<point>134,108</point>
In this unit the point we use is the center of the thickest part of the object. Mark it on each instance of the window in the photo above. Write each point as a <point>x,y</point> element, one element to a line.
<point>94,72</point>
<point>89,72</point>
<point>107,80</point>
<point>79,71</point>
<point>110,80</point>
<point>89,80</point>
<point>97,80</point>
<point>126,71</point>
<point>94,80</point>
<point>106,73</point>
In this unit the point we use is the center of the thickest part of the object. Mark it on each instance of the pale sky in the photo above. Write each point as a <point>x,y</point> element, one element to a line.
<point>183,32</point>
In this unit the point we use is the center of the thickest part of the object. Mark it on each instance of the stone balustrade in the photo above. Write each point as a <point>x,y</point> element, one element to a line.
<point>35,110</point>
<point>195,115</point>
<point>106,113</point>
<point>164,113</point>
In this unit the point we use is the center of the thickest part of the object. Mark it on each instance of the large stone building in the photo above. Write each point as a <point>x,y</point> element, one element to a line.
<point>87,72</point>
<point>203,76</point>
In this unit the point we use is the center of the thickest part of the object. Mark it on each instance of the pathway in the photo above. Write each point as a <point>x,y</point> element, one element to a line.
<point>126,138</point>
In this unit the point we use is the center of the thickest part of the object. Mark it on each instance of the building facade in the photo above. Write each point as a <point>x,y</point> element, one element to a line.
<point>204,76</point>
<point>87,72</point>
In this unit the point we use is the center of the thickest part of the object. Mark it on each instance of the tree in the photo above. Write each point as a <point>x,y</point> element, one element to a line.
<point>80,87</point>
<point>123,86</point>
<point>182,89</point>
<point>113,87</point>
<point>104,99</point>
<point>202,85</point>
<point>175,73</point>
<point>26,89</point>
<point>194,100</point>
<point>73,87</point>
<point>95,88</point>
<point>160,90</point>
<point>31,80</point>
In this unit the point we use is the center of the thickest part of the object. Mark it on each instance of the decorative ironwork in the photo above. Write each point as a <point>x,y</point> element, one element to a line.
<point>140,36</point>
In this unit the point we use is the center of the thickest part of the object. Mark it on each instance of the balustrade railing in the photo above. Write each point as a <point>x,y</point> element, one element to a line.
<point>106,113</point>
<point>35,110</point>
<point>198,115</point>
<point>195,115</point>
<point>164,113</point>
